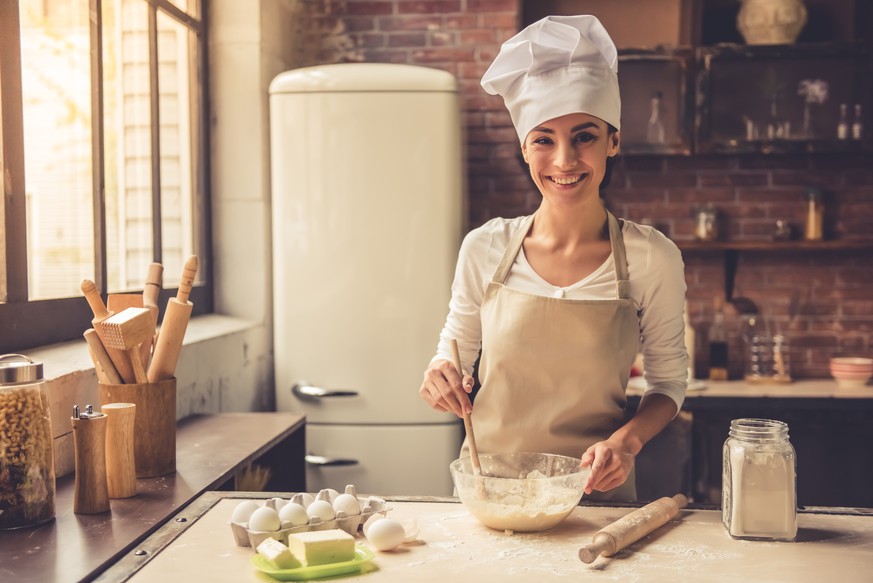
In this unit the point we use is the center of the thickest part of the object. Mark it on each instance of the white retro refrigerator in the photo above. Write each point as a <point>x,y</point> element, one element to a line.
<point>368,196</point>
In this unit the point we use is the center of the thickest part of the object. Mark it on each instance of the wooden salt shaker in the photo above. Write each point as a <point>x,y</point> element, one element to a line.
<point>120,460</point>
<point>91,493</point>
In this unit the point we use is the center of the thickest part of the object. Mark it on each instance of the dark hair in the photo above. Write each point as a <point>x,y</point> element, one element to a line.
<point>611,161</point>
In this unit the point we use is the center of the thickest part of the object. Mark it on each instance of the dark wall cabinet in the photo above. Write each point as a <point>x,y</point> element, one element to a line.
<point>691,85</point>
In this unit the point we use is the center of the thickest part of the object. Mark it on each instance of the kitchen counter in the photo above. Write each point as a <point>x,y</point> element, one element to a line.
<point>453,546</point>
<point>801,393</point>
<point>210,450</point>
<point>828,425</point>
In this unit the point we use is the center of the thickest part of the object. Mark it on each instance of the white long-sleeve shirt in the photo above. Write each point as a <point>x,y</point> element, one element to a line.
<point>657,288</point>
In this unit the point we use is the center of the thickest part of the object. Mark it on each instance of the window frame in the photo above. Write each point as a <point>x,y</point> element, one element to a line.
<point>24,323</point>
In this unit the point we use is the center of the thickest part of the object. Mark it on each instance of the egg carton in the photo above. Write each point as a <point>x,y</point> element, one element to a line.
<point>350,524</point>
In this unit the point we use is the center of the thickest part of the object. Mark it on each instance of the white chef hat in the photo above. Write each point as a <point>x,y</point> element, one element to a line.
<point>555,66</point>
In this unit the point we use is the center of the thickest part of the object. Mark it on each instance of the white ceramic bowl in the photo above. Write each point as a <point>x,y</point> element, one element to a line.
<point>524,492</point>
<point>852,361</point>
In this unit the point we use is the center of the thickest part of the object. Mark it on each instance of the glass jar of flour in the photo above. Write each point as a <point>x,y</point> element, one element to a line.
<point>759,483</point>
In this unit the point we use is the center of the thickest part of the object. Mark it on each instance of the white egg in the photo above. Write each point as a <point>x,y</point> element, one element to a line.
<point>386,534</point>
<point>243,511</point>
<point>322,510</point>
<point>373,518</point>
<point>293,515</point>
<point>265,519</point>
<point>348,504</point>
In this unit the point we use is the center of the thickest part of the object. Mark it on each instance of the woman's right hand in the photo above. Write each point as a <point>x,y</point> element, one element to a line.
<point>444,389</point>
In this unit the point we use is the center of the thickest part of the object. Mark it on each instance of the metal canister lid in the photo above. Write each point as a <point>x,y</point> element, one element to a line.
<point>16,369</point>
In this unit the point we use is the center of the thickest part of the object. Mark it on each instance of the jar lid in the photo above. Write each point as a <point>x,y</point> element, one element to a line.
<point>17,369</point>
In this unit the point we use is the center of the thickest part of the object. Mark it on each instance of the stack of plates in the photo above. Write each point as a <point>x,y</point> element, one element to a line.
<point>851,371</point>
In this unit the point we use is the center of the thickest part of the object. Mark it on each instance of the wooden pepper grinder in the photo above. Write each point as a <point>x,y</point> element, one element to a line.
<point>91,494</point>
<point>120,461</point>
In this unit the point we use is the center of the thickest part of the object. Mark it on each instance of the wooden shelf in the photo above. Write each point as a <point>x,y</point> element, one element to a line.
<point>732,249</point>
<point>829,245</point>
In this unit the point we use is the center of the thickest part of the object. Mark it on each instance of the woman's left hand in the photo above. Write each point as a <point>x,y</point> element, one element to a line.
<point>610,465</point>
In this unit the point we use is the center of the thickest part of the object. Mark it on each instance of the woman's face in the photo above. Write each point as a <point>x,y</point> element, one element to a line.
<point>567,156</point>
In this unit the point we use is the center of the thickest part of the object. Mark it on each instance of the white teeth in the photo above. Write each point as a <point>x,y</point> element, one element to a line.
<point>564,181</point>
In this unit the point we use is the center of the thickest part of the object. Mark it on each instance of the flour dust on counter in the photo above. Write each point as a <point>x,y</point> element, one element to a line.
<point>453,546</point>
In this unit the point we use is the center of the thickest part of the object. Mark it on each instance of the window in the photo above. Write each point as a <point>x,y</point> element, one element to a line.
<point>103,154</point>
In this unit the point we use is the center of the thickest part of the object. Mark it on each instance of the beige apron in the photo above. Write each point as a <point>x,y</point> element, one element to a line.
<point>553,371</point>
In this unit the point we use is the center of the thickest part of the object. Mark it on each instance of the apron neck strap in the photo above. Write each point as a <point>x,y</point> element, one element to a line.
<point>615,238</point>
<point>619,257</point>
<point>512,250</point>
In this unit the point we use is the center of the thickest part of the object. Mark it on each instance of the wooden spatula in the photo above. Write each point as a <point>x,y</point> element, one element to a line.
<point>468,423</point>
<point>126,331</point>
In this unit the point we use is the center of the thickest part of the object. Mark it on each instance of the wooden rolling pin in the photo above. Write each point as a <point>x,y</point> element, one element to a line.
<point>176,316</point>
<point>151,290</point>
<point>632,527</point>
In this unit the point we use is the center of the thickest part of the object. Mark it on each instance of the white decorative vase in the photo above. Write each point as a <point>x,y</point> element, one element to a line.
<point>771,22</point>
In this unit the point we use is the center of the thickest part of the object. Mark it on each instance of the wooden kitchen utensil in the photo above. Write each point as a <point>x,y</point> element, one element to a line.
<point>101,313</point>
<point>153,283</point>
<point>106,372</point>
<point>120,460</point>
<point>119,302</point>
<point>154,434</point>
<point>176,316</point>
<point>126,330</point>
<point>90,491</point>
<point>468,423</point>
<point>632,527</point>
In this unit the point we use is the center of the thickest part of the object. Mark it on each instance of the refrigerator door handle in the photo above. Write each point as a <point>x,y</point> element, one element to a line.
<point>320,460</point>
<point>307,392</point>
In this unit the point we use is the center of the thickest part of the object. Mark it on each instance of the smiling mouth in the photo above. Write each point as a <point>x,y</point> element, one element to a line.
<point>566,180</point>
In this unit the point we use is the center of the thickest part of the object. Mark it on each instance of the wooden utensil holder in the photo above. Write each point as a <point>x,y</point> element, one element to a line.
<point>154,440</point>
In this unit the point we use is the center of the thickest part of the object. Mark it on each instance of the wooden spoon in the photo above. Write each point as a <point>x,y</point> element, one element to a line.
<point>468,423</point>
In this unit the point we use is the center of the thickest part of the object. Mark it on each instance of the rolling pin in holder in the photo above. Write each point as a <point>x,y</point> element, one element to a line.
<point>178,312</point>
<point>632,527</point>
<point>91,490</point>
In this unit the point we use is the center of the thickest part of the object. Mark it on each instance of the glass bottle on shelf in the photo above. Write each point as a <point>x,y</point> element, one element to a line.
<point>857,124</point>
<point>814,215</point>
<point>718,345</point>
<point>655,128</point>
<point>843,125</point>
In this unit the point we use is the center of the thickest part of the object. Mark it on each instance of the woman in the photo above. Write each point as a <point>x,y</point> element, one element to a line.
<point>559,301</point>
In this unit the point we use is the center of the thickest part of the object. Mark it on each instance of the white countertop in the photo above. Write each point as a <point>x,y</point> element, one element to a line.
<point>454,547</point>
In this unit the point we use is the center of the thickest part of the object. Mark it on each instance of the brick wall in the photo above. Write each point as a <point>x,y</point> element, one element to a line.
<point>832,291</point>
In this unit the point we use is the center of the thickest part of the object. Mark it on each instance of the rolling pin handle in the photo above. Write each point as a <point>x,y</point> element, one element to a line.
<point>602,543</point>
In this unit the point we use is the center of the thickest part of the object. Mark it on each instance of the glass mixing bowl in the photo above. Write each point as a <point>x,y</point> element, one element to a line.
<point>524,492</point>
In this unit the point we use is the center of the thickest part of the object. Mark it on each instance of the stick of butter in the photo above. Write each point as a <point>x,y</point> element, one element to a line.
<point>277,554</point>
<point>321,547</point>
